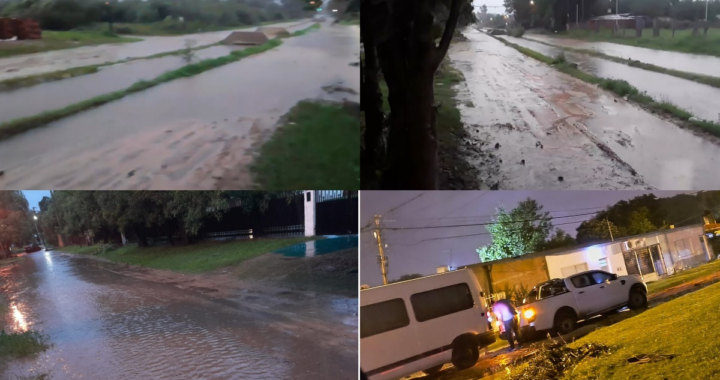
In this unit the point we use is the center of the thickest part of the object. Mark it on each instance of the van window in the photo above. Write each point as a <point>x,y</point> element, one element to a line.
<point>383,317</point>
<point>442,301</point>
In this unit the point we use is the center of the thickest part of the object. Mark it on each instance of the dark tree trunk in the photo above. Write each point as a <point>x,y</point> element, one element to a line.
<point>696,29</point>
<point>183,233</point>
<point>656,28</point>
<point>409,59</point>
<point>371,102</point>
<point>141,235</point>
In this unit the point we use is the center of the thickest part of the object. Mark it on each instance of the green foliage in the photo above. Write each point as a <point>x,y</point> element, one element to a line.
<point>639,222</point>
<point>522,230</point>
<point>559,239</point>
<point>22,344</point>
<point>318,146</point>
<point>596,230</point>
<point>15,220</point>
<point>515,293</point>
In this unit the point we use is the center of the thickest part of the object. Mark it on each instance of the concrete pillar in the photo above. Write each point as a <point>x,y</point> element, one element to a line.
<point>309,201</point>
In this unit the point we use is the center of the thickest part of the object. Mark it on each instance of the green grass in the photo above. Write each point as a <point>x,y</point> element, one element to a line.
<point>52,40</point>
<point>699,78</point>
<point>195,258</point>
<point>305,31</point>
<point>22,344</point>
<point>170,29</point>
<point>619,87</point>
<point>14,127</point>
<point>353,21</point>
<point>683,277</point>
<point>317,148</point>
<point>682,42</point>
<point>686,327</point>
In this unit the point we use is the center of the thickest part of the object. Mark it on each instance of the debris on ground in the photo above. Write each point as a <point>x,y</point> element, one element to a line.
<point>652,358</point>
<point>561,178</point>
<point>337,88</point>
<point>497,146</point>
<point>553,359</point>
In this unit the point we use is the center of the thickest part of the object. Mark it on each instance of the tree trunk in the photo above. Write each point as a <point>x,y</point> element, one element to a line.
<point>183,233</point>
<point>371,102</point>
<point>673,26</point>
<point>656,27</point>
<point>696,30</point>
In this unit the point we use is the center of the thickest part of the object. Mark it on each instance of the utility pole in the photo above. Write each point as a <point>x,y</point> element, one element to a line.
<point>382,259</point>
<point>609,230</point>
<point>707,2</point>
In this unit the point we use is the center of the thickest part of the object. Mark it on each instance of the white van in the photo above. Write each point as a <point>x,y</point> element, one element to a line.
<point>421,324</point>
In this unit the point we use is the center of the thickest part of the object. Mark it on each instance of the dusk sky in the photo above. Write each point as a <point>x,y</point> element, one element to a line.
<point>423,250</point>
<point>35,196</point>
<point>494,6</point>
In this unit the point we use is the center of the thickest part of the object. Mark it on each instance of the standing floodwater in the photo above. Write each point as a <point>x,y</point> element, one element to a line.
<point>104,325</point>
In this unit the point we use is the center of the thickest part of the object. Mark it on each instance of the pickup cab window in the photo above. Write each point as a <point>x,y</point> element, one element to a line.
<point>600,277</point>
<point>582,281</point>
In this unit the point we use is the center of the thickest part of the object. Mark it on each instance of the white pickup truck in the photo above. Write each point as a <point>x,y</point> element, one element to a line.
<point>559,303</point>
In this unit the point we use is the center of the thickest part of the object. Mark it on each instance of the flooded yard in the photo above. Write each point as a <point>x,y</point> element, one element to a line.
<point>104,325</point>
<point>556,132</point>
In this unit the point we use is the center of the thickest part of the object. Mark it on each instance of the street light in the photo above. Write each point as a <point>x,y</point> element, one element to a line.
<point>38,231</point>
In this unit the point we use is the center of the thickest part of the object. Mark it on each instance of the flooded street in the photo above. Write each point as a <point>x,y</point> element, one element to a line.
<point>104,325</point>
<point>701,100</point>
<point>556,132</point>
<point>692,63</point>
<point>192,133</point>
<point>46,62</point>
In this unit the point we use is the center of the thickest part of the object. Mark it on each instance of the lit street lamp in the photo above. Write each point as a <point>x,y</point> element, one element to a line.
<point>38,231</point>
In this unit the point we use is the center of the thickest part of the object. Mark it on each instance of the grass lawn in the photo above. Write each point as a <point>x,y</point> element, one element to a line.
<point>21,344</point>
<point>52,40</point>
<point>686,327</point>
<point>682,42</point>
<point>317,146</point>
<point>194,258</point>
<point>684,277</point>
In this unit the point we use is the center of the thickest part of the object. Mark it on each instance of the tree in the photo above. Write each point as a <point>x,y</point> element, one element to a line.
<point>15,224</point>
<point>522,230</point>
<point>400,40</point>
<point>483,9</point>
<point>191,208</point>
<point>406,277</point>
<point>559,239</point>
<point>596,230</point>
<point>639,222</point>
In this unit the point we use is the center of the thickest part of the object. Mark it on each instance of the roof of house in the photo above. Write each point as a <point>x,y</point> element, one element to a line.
<point>564,250</point>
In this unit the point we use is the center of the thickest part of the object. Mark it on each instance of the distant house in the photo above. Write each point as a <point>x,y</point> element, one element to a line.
<point>651,255</point>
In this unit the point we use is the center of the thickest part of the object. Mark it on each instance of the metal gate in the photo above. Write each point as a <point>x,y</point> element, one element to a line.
<point>639,256</point>
<point>336,212</point>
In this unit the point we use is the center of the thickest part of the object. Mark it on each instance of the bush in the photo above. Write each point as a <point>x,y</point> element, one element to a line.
<point>560,58</point>
<point>105,248</point>
<point>124,30</point>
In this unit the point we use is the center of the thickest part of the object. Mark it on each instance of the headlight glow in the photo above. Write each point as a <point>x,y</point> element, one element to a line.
<point>528,313</point>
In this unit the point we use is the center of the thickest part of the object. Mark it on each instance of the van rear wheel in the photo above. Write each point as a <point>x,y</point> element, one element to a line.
<point>465,353</point>
<point>433,370</point>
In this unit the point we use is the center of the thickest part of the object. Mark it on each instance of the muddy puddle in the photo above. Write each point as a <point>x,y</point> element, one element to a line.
<point>701,100</point>
<point>692,63</point>
<point>533,127</point>
<point>46,62</point>
<point>125,144</point>
<point>103,325</point>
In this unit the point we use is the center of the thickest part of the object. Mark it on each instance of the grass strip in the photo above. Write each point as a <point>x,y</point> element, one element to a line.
<point>318,145</point>
<point>684,277</point>
<point>15,83</point>
<point>699,78</point>
<point>54,40</point>
<point>14,127</point>
<point>22,344</point>
<point>619,87</point>
<point>194,258</point>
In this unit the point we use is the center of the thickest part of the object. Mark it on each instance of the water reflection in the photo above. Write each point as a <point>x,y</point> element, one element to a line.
<point>19,318</point>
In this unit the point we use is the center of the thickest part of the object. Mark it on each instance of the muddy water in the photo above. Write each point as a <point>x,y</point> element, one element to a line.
<point>107,326</point>
<point>549,125</point>
<point>40,63</point>
<point>126,143</point>
<point>693,63</point>
<point>32,100</point>
<point>701,100</point>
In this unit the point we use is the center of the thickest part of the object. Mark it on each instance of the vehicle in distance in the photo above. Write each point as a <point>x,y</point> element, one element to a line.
<point>422,324</point>
<point>32,248</point>
<point>559,304</point>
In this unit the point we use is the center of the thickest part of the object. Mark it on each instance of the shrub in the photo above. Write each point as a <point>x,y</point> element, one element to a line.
<point>516,32</point>
<point>105,248</point>
<point>560,58</point>
<point>124,30</point>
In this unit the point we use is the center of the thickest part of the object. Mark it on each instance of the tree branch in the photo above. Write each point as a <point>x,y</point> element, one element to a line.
<point>450,25</point>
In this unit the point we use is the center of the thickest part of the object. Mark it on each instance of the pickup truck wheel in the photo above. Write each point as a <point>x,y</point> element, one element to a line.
<point>465,353</point>
<point>433,370</point>
<point>564,323</point>
<point>637,300</point>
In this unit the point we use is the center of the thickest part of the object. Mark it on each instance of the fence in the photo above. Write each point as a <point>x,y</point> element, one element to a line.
<point>336,212</point>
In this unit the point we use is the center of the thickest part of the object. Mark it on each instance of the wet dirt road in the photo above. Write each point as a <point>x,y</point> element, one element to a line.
<point>549,125</point>
<point>104,325</point>
<point>701,100</point>
<point>193,133</point>
<point>46,62</point>
<point>692,63</point>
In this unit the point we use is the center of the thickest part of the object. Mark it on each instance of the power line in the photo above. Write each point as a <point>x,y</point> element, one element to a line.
<point>483,224</point>
<point>488,233</point>
<point>493,215</point>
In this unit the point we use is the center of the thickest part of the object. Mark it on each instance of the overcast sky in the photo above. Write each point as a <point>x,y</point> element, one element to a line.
<point>423,250</point>
<point>35,196</point>
<point>494,6</point>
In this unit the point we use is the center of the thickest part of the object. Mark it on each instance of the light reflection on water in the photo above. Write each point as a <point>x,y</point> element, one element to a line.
<point>19,318</point>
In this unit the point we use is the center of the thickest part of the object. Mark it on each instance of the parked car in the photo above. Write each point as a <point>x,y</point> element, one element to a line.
<point>422,324</point>
<point>559,304</point>
<point>32,248</point>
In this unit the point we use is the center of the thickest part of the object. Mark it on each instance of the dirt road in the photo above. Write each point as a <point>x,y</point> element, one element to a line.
<point>193,133</point>
<point>533,127</point>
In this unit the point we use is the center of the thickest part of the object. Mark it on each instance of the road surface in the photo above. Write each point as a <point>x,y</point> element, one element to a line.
<point>193,133</point>
<point>692,63</point>
<point>104,325</point>
<point>46,62</point>
<point>557,132</point>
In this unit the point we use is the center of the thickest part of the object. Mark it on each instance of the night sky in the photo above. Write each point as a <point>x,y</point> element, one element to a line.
<point>422,251</point>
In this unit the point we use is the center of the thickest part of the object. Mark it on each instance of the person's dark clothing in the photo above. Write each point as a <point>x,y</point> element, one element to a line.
<point>510,327</point>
